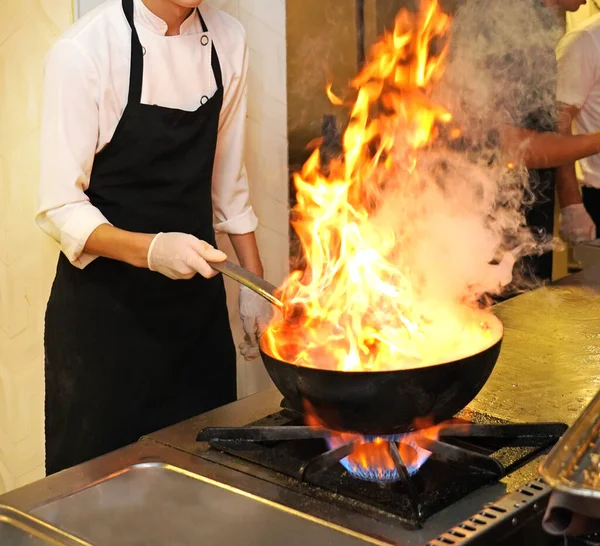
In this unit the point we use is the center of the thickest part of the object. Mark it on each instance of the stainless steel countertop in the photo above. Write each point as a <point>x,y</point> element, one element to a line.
<point>36,497</point>
<point>252,480</point>
<point>549,369</point>
<point>549,366</point>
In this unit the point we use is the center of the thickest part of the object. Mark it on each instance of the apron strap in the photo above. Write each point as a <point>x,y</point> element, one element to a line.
<point>216,65</point>
<point>136,74</point>
<point>136,70</point>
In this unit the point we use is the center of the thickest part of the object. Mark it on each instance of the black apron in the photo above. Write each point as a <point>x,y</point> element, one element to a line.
<point>591,200</point>
<point>129,351</point>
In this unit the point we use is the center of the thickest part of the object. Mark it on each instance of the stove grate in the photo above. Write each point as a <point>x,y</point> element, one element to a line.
<point>479,453</point>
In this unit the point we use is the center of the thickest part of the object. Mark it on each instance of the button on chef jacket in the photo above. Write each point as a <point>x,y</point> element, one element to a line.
<point>85,94</point>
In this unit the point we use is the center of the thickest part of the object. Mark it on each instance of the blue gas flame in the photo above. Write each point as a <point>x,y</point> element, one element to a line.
<point>380,467</point>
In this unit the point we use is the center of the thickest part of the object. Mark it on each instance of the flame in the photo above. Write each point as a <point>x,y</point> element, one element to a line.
<point>371,459</point>
<point>360,305</point>
<point>333,98</point>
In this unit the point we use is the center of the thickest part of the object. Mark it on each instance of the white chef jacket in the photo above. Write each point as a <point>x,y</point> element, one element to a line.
<point>85,92</point>
<point>579,85</point>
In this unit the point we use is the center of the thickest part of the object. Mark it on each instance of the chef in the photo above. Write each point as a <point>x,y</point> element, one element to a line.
<point>578,91</point>
<point>144,108</point>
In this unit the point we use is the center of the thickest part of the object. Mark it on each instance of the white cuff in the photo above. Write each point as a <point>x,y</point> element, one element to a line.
<point>247,222</point>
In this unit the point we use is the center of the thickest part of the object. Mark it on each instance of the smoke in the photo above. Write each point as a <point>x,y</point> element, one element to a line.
<point>500,71</point>
<point>501,67</point>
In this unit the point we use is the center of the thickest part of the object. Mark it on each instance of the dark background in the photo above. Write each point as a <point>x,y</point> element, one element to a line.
<point>324,40</point>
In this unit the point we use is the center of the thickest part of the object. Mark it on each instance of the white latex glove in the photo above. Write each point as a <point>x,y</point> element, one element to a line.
<point>182,256</point>
<point>576,225</point>
<point>255,312</point>
<point>249,348</point>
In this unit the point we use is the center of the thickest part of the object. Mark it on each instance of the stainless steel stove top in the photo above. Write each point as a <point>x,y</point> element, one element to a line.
<point>265,482</point>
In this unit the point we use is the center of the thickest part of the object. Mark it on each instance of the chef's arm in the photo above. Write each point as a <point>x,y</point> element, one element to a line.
<point>538,150</point>
<point>69,141</point>
<point>125,246</point>
<point>132,248</point>
<point>578,71</point>
<point>173,254</point>
<point>246,251</point>
<point>567,185</point>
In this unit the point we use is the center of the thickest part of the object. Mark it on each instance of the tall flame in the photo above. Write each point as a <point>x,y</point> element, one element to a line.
<point>359,305</point>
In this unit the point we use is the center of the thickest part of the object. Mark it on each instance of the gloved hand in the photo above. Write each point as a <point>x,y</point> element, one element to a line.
<point>181,256</point>
<point>255,312</point>
<point>249,348</point>
<point>576,224</point>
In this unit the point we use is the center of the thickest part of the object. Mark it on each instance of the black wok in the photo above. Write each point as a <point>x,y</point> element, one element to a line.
<point>381,403</point>
<point>373,403</point>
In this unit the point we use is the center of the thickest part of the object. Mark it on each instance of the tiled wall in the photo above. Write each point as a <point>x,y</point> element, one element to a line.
<point>27,257</point>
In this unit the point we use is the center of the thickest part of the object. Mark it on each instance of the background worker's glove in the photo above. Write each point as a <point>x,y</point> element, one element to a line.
<point>576,225</point>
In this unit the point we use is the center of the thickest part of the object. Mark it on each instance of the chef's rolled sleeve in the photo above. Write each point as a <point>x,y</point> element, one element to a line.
<point>69,135</point>
<point>230,191</point>
<point>71,225</point>
<point>247,222</point>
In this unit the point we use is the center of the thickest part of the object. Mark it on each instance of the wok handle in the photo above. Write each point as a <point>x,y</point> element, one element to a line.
<point>249,280</point>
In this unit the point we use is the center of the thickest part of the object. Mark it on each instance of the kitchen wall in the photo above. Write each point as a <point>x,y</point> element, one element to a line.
<point>27,257</point>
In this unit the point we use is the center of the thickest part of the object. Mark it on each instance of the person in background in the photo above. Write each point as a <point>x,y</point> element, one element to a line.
<point>504,66</point>
<point>142,141</point>
<point>578,92</point>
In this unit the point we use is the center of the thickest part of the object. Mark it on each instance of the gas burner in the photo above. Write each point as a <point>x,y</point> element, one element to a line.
<point>464,456</point>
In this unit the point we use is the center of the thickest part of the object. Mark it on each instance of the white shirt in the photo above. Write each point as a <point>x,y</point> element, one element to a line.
<point>579,85</point>
<point>86,85</point>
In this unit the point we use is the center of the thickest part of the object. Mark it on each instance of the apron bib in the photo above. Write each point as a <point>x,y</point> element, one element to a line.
<point>129,351</point>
